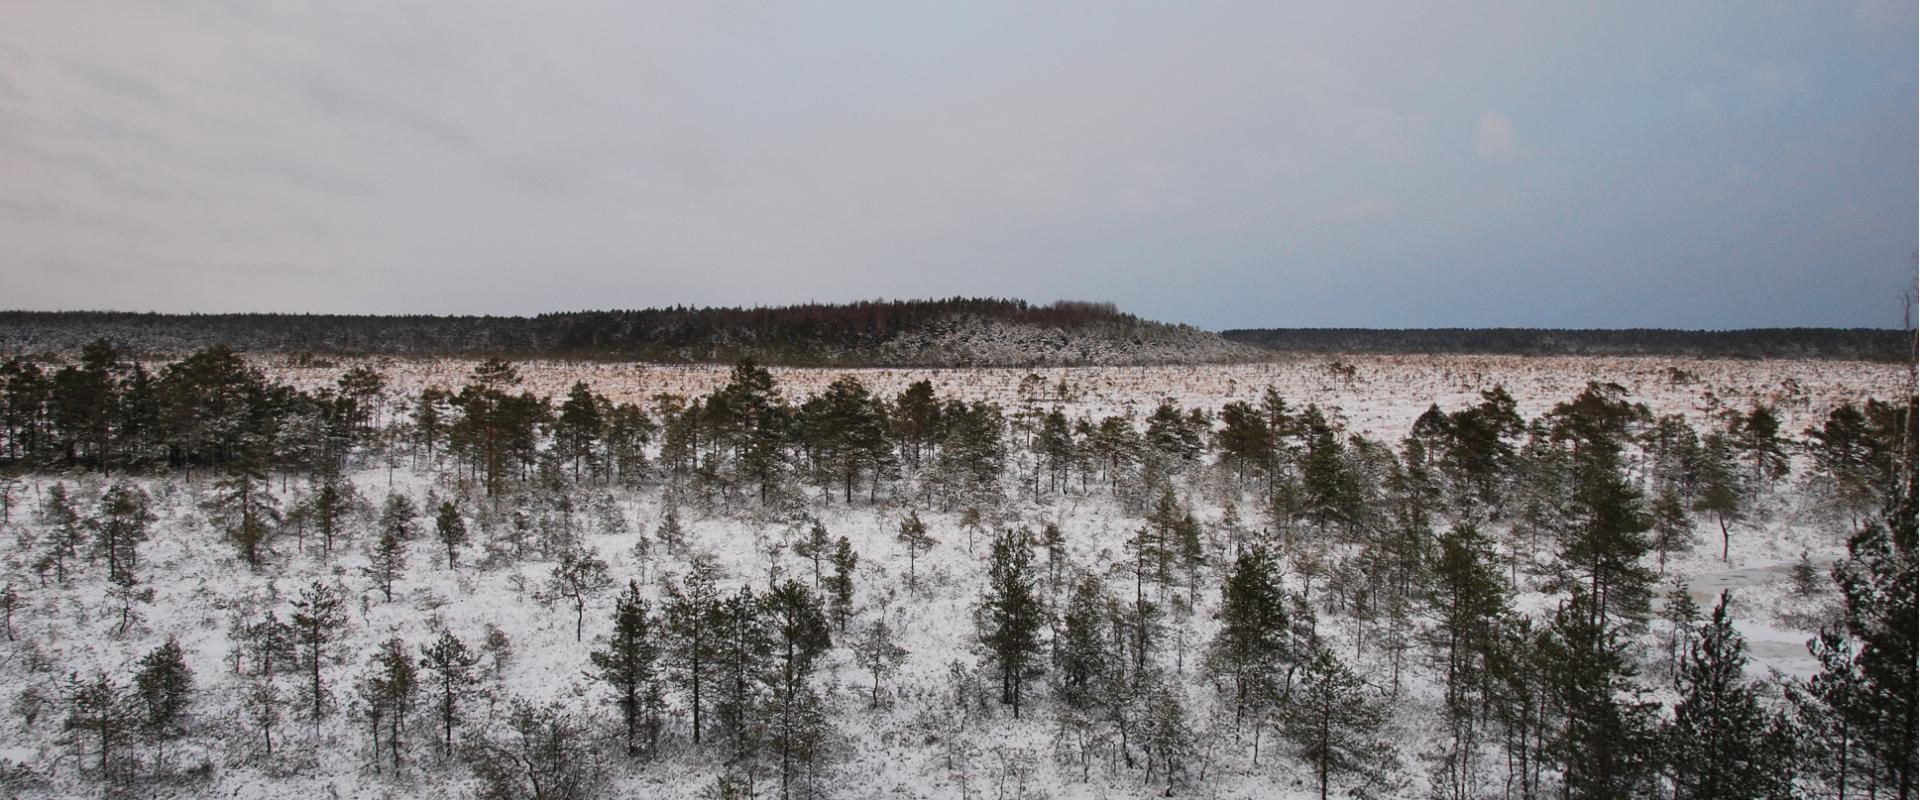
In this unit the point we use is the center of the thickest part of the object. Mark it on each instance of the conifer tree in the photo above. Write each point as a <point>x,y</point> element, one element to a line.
<point>876,651</point>
<point>244,508</point>
<point>451,530</point>
<point>97,709</point>
<point>693,622</point>
<point>1252,654</point>
<point>800,635</point>
<point>630,666</point>
<point>450,665</point>
<point>840,584</point>
<point>670,533</point>
<point>1012,616</point>
<point>120,526</point>
<point>578,578</point>
<point>913,534</point>
<point>1716,744</point>
<point>329,500</point>
<point>1082,656</point>
<point>65,531</point>
<point>815,547</point>
<point>388,696</point>
<point>386,561</point>
<point>1604,742</point>
<point>318,614</point>
<point>164,684</point>
<point>744,646</point>
<point>1334,724</point>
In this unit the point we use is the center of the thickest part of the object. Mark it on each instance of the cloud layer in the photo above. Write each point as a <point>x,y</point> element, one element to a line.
<point>1226,165</point>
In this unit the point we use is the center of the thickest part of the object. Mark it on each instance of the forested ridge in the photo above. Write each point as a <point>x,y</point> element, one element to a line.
<point>1871,344</point>
<point>735,586</point>
<point>947,332</point>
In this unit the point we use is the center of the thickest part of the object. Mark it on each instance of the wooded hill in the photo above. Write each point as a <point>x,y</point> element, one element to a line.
<point>1867,344</point>
<point>949,332</point>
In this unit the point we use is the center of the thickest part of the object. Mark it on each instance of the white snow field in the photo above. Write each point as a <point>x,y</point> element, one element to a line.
<point>919,743</point>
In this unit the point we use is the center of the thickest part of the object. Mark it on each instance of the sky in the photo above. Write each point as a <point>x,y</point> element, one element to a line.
<point>1225,165</point>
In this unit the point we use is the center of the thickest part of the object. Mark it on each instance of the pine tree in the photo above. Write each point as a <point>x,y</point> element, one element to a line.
<point>1165,733</point>
<point>670,533</point>
<point>9,603</point>
<point>800,636</point>
<point>1012,616</point>
<point>743,649</point>
<point>386,561</point>
<point>630,666</point>
<point>1715,746</point>
<point>1334,724</point>
<point>120,526</point>
<point>451,530</point>
<point>913,533</point>
<point>840,585</point>
<point>164,684</point>
<point>693,622</point>
<point>875,650</point>
<point>318,614</point>
<point>65,531</point>
<point>1252,652</point>
<point>451,665</point>
<point>388,695</point>
<point>578,578</point>
<point>1604,743</point>
<point>815,548</point>
<point>244,508</point>
<point>329,500</point>
<point>1724,492</point>
<point>97,709</point>
<point>1082,656</point>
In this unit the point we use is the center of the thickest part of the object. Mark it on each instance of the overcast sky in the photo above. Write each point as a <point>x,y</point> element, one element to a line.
<point>1714,165</point>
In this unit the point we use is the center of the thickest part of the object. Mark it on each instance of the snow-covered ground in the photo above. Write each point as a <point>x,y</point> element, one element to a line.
<point>917,745</point>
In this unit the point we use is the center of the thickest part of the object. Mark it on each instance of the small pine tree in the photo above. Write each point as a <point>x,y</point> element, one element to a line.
<point>388,695</point>
<point>630,666</point>
<point>396,517</point>
<point>670,533</point>
<point>451,665</point>
<point>1335,724</point>
<point>1012,616</point>
<point>386,561</point>
<point>578,578</point>
<point>318,614</point>
<point>1716,742</point>
<point>244,508</point>
<point>876,652</point>
<point>1807,579</point>
<point>451,529</point>
<point>97,710</point>
<point>913,534</point>
<point>65,532</point>
<point>816,548</point>
<point>120,526</point>
<point>9,602</point>
<point>164,685</point>
<point>840,585</point>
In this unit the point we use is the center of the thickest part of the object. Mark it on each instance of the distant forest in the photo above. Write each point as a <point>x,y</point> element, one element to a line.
<point>809,334</point>
<point>1867,344</point>
<point>947,332</point>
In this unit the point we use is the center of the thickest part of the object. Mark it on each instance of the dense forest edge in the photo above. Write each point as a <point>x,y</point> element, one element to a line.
<point>1863,344</point>
<point>944,332</point>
